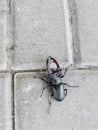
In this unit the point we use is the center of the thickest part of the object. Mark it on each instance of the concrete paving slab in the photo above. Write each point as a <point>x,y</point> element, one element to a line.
<point>41,30</point>
<point>3,41</point>
<point>78,111</point>
<point>3,5</point>
<point>87,17</point>
<point>4,34</point>
<point>5,102</point>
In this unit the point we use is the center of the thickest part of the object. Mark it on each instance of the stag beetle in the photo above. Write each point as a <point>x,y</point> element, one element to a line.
<point>55,81</point>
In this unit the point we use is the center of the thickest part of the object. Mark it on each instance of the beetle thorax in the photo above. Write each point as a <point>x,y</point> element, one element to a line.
<point>55,78</point>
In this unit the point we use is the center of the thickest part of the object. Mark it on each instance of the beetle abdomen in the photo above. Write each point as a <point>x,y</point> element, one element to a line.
<point>59,93</point>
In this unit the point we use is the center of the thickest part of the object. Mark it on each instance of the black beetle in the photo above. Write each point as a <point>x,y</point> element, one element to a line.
<point>55,81</point>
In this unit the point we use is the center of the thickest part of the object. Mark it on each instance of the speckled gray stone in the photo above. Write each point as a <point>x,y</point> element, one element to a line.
<point>4,34</point>
<point>3,5</point>
<point>41,30</point>
<point>78,111</point>
<point>5,102</point>
<point>87,17</point>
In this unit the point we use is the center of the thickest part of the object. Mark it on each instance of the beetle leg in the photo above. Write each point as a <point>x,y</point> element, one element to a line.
<point>66,91</point>
<point>44,80</point>
<point>49,99</point>
<point>43,91</point>
<point>64,73</point>
<point>69,85</point>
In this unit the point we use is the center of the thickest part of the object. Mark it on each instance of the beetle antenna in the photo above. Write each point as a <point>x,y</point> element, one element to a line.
<point>63,68</point>
<point>63,65</point>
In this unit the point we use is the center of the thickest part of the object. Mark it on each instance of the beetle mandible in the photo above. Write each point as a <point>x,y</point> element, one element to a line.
<point>55,81</point>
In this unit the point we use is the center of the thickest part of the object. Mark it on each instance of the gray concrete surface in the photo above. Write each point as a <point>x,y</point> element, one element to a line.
<point>78,111</point>
<point>3,5</point>
<point>40,31</point>
<point>3,41</point>
<point>5,102</point>
<point>31,30</point>
<point>87,17</point>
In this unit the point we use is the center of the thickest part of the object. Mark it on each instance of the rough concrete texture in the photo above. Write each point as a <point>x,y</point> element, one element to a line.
<point>5,102</point>
<point>3,40</point>
<point>4,34</point>
<point>3,5</point>
<point>78,111</point>
<point>30,31</point>
<point>87,16</point>
<point>40,31</point>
